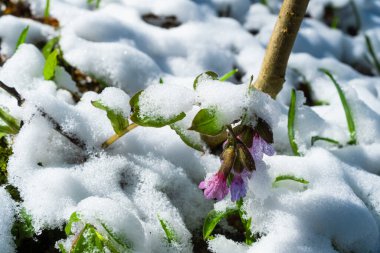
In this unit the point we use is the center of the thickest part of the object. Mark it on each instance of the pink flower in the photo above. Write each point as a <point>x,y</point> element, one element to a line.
<point>238,185</point>
<point>260,147</point>
<point>215,187</point>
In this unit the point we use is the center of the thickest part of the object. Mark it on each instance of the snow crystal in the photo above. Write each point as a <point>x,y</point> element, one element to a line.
<point>229,100</point>
<point>158,100</point>
<point>116,99</point>
<point>11,28</point>
<point>7,210</point>
<point>23,68</point>
<point>328,212</point>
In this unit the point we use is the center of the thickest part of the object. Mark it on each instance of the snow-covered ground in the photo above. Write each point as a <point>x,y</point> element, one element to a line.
<point>150,172</point>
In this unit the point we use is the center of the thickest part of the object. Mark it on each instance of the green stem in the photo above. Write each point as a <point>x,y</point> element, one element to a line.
<point>115,137</point>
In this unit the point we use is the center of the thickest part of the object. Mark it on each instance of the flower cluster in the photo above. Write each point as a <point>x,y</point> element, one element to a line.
<point>238,162</point>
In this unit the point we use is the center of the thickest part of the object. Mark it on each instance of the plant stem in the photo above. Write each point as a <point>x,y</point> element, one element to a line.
<point>272,74</point>
<point>13,92</point>
<point>115,137</point>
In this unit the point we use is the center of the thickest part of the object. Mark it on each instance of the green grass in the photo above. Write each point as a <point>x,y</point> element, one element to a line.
<point>346,107</point>
<point>291,120</point>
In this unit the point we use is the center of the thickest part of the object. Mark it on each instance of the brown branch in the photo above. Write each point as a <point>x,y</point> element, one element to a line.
<point>272,74</point>
<point>13,92</point>
<point>57,127</point>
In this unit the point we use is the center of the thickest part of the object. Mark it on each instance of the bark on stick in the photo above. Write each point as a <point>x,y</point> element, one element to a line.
<point>272,74</point>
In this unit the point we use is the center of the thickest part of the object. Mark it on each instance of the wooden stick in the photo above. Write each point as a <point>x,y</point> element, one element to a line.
<point>272,74</point>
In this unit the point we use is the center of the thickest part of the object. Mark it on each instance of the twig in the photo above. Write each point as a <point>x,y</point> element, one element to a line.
<point>57,127</point>
<point>272,74</point>
<point>13,92</point>
<point>20,100</point>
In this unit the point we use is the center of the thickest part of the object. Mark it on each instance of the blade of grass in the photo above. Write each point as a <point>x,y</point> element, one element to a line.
<point>372,53</point>
<point>335,22</point>
<point>226,76</point>
<point>50,65</point>
<point>346,107</point>
<point>22,37</point>
<point>49,46</point>
<point>291,119</point>
<point>289,177</point>
<point>169,232</point>
<point>320,138</point>
<point>47,9</point>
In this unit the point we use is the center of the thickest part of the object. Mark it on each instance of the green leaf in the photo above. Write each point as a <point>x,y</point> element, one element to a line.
<point>47,9</point>
<point>61,248</point>
<point>49,46</point>
<point>4,130</point>
<point>23,227</point>
<point>22,37</point>
<point>213,218</point>
<point>320,138</point>
<point>291,119</point>
<point>346,107</point>
<point>228,75</point>
<point>97,3</point>
<point>5,153</point>
<point>88,241</point>
<point>50,65</point>
<point>118,121</point>
<point>289,177</point>
<point>249,237</point>
<point>186,138</point>
<point>73,219</point>
<point>127,246</point>
<point>11,122</point>
<point>143,120</point>
<point>207,122</point>
<point>169,231</point>
<point>208,75</point>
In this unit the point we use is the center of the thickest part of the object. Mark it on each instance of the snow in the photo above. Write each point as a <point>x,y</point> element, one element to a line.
<point>7,210</point>
<point>150,171</point>
<point>11,28</point>
<point>116,100</point>
<point>318,215</point>
<point>157,101</point>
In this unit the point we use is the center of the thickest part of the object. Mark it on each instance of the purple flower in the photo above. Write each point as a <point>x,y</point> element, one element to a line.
<point>260,147</point>
<point>215,187</point>
<point>238,185</point>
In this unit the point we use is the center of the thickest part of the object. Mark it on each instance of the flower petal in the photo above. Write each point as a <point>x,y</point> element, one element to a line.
<point>257,148</point>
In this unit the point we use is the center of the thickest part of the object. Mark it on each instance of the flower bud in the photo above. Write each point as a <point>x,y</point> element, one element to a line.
<point>264,130</point>
<point>245,157</point>
<point>238,166</point>
<point>228,157</point>
<point>247,136</point>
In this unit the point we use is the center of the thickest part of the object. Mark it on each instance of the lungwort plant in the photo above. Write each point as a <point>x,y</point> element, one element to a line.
<point>242,138</point>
